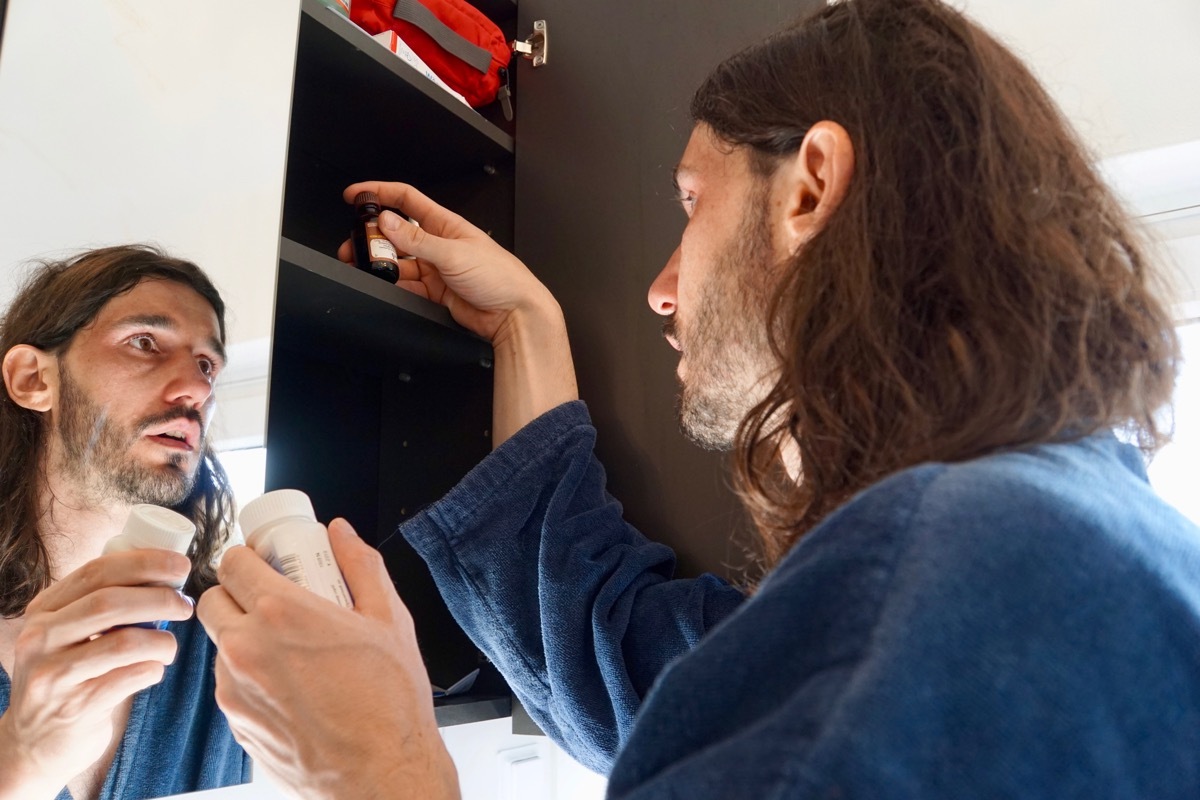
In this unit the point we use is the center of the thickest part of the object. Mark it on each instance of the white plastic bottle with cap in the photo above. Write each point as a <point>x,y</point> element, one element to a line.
<point>154,527</point>
<point>282,527</point>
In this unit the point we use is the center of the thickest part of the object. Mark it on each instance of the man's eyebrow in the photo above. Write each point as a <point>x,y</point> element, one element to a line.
<point>166,323</point>
<point>147,321</point>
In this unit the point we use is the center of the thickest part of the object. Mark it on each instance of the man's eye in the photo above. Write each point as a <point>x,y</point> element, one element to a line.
<point>144,342</point>
<point>207,366</point>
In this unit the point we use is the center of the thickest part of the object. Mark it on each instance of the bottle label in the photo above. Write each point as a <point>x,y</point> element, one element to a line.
<point>312,567</point>
<point>378,246</point>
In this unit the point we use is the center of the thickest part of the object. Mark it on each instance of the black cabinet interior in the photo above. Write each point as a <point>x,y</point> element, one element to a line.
<point>361,113</point>
<point>378,402</point>
<point>601,127</point>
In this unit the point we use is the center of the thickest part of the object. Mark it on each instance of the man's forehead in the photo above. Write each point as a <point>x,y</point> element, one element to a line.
<point>706,155</point>
<point>158,297</point>
<point>160,303</point>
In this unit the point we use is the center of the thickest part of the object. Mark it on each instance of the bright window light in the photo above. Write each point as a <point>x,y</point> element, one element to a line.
<point>1174,468</point>
<point>247,470</point>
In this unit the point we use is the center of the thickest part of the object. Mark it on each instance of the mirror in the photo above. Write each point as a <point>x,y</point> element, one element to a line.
<point>165,122</point>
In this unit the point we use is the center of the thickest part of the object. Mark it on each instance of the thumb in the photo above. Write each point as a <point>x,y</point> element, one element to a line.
<point>414,240</point>
<point>363,568</point>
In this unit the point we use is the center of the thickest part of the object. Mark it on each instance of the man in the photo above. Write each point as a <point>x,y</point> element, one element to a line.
<point>909,306</point>
<point>109,363</point>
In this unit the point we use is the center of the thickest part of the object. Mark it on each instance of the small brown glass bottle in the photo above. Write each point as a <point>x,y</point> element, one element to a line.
<point>373,252</point>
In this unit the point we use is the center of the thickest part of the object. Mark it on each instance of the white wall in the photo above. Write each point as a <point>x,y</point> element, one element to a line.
<point>152,120</point>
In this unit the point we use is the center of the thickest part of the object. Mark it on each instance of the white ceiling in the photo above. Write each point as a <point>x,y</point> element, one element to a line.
<point>1126,73</point>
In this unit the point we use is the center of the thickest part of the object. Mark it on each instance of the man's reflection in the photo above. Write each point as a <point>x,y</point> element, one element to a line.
<point>109,363</point>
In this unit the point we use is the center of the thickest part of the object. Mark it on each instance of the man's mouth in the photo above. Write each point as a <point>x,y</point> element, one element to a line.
<point>668,330</point>
<point>178,434</point>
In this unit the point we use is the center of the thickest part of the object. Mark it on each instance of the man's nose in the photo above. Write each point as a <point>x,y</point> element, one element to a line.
<point>189,384</point>
<point>662,291</point>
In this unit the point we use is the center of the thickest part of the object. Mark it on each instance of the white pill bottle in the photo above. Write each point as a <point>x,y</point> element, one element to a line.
<point>154,527</point>
<point>282,528</point>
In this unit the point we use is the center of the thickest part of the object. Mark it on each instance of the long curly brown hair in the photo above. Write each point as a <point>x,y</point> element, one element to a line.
<point>979,288</point>
<point>58,299</point>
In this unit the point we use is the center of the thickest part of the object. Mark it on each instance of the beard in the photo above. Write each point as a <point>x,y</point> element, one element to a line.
<point>97,457</point>
<point>725,339</point>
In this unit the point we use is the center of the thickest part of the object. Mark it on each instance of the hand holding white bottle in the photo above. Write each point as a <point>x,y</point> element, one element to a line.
<point>282,528</point>
<point>154,527</point>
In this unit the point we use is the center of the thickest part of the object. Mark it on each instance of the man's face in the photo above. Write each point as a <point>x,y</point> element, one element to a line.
<point>135,396</point>
<point>715,290</point>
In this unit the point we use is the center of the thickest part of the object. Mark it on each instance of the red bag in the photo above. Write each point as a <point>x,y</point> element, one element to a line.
<point>458,42</point>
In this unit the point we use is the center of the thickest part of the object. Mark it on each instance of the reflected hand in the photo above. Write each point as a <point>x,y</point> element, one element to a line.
<point>330,702</point>
<point>457,264</point>
<point>74,666</point>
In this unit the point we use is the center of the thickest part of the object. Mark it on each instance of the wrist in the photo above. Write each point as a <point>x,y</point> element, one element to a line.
<point>539,312</point>
<point>534,371</point>
<point>19,777</point>
<point>427,772</point>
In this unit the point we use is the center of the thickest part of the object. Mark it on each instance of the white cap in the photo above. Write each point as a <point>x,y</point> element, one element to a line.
<point>162,528</point>
<point>274,506</point>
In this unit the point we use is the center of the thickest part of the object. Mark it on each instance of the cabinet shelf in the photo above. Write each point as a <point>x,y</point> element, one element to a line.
<point>329,309</point>
<point>461,710</point>
<point>355,101</point>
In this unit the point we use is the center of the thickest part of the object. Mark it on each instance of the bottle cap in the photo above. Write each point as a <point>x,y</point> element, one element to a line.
<point>273,506</point>
<point>155,526</point>
<point>363,198</point>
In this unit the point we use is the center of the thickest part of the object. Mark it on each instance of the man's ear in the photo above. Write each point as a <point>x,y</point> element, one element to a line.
<point>30,375</point>
<point>815,181</point>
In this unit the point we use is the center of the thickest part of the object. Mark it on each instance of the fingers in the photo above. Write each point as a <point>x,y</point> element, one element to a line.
<point>218,612</point>
<point>435,219</point>
<point>116,650</point>
<point>247,578</point>
<point>110,689</point>
<point>363,568</point>
<point>416,287</point>
<point>108,608</point>
<point>131,568</point>
<point>417,241</point>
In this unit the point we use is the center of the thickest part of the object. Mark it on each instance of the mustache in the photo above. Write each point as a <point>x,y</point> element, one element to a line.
<point>668,328</point>
<point>170,415</point>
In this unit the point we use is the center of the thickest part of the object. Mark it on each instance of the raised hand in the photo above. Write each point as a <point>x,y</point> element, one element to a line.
<point>488,291</point>
<point>456,264</point>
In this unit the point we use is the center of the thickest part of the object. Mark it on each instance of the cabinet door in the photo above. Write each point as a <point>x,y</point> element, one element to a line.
<point>599,129</point>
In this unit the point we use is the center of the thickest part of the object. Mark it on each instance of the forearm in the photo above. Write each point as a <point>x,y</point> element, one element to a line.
<point>574,606</point>
<point>534,371</point>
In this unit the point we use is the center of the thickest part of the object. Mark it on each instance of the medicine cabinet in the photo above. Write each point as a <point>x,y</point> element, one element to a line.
<point>378,402</point>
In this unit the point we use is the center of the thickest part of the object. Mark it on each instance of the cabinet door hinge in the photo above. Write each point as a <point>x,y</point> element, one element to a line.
<point>536,47</point>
